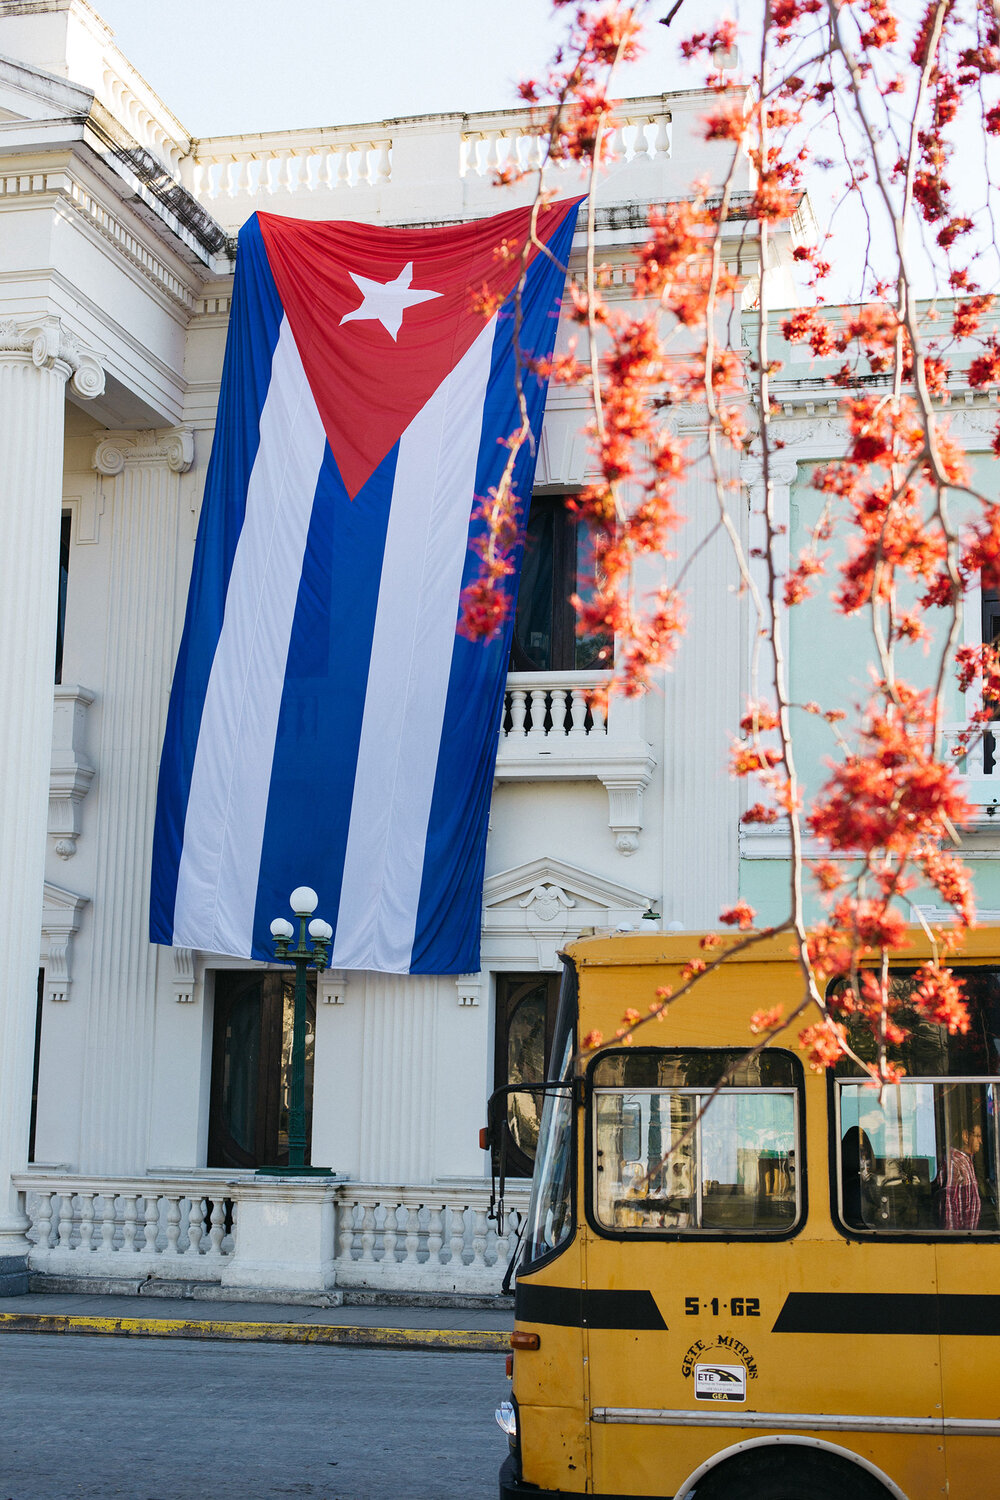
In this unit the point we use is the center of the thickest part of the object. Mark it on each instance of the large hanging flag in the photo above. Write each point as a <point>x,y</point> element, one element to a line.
<point>327,723</point>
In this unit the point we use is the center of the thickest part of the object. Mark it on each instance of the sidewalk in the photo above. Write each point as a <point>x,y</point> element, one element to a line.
<point>376,1326</point>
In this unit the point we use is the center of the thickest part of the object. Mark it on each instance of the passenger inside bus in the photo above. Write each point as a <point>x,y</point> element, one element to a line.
<point>858,1175</point>
<point>957,1201</point>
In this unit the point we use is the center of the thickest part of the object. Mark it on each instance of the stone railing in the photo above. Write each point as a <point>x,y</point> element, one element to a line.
<point>978,760</point>
<point>187,1229</point>
<point>554,730</point>
<point>429,1239</point>
<point>297,161</point>
<point>510,140</point>
<point>141,1226</point>
<point>549,705</point>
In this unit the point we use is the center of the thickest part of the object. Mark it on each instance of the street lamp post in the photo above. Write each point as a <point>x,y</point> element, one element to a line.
<point>303,902</point>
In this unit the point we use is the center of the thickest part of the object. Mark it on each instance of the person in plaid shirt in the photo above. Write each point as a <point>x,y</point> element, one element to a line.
<point>956,1191</point>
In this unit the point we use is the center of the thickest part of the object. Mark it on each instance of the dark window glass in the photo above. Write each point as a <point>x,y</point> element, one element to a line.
<point>525,1022</point>
<point>64,537</point>
<point>928,1050</point>
<point>991,637</point>
<point>558,563</point>
<point>697,1068</point>
<point>251,1068</point>
<point>37,1061</point>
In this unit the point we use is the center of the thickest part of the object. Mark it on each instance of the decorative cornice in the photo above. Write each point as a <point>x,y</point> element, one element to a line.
<point>173,446</point>
<point>52,347</point>
<point>129,245</point>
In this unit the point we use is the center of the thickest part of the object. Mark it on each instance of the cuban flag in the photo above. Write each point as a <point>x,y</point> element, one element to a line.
<point>328,725</point>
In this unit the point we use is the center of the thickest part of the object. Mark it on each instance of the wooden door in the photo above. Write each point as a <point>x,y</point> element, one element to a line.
<point>251,1068</point>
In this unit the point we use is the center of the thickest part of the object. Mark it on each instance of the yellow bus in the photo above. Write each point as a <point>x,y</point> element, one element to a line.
<point>789,1294</point>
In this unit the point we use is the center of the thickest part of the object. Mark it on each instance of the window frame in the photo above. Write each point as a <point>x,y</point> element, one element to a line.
<point>517,1163</point>
<point>879,1235</point>
<point>797,1091</point>
<point>561,614</point>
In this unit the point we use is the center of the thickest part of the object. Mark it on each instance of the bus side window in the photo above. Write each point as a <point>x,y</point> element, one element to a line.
<point>685,1158</point>
<point>923,1159</point>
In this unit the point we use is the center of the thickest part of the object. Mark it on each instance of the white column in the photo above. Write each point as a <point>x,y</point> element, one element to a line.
<point>142,496</point>
<point>36,359</point>
<point>702,697</point>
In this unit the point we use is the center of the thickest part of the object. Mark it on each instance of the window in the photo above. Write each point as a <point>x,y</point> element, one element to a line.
<point>525,1023</point>
<point>670,1158</point>
<point>36,1065</point>
<point>558,563</point>
<point>991,637</point>
<point>251,1068</point>
<point>64,537</point>
<point>922,1157</point>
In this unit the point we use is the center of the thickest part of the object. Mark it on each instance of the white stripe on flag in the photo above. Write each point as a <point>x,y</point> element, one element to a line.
<point>227,806</point>
<point>426,545</point>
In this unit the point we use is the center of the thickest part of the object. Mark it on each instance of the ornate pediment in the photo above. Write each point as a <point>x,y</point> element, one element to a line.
<point>532,910</point>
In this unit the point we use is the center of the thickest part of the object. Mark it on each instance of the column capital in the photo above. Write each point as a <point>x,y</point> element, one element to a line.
<point>173,446</point>
<point>52,347</point>
<point>782,467</point>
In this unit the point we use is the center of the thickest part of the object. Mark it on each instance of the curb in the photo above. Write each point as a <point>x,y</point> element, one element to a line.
<point>471,1341</point>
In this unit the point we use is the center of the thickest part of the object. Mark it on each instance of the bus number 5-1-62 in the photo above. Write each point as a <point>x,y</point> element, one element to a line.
<point>736,1307</point>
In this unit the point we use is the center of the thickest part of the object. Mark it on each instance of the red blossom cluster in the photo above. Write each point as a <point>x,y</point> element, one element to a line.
<point>887,816</point>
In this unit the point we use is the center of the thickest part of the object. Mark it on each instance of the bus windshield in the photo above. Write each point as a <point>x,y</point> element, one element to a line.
<point>550,1211</point>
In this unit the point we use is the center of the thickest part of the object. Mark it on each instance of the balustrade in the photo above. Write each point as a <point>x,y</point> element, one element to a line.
<point>307,163</point>
<point>975,750</point>
<point>510,142</point>
<point>224,168</point>
<point>97,1228</point>
<point>549,705</point>
<point>185,1229</point>
<point>443,1242</point>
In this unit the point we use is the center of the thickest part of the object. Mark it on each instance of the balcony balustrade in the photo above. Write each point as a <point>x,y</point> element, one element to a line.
<point>554,729</point>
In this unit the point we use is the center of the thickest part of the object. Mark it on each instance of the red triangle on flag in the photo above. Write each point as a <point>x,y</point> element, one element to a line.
<point>381,316</point>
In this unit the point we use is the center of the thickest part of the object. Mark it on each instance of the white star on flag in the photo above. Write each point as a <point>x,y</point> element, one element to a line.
<point>387,301</point>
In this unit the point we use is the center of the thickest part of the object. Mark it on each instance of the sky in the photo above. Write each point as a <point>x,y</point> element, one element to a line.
<point>238,66</point>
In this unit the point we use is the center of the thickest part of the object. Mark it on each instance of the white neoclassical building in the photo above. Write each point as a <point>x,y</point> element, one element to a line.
<point>141,1086</point>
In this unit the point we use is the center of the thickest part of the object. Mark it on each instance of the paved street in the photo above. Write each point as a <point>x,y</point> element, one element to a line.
<point>145,1419</point>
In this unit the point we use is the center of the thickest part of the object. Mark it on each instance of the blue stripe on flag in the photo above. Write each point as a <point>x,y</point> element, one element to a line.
<point>449,914</point>
<point>323,701</point>
<point>253,334</point>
